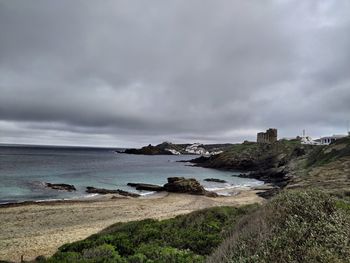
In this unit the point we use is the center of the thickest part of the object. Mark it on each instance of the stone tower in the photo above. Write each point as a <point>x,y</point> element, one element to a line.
<point>270,136</point>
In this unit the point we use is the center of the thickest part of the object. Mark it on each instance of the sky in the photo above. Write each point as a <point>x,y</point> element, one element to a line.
<point>127,73</point>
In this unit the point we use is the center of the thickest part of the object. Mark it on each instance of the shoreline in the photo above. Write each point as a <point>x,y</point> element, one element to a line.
<point>96,197</point>
<point>87,199</point>
<point>39,228</point>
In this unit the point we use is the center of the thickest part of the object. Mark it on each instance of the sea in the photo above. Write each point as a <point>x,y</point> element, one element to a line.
<point>25,169</point>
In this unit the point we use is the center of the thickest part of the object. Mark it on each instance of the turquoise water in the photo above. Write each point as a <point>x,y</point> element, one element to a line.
<point>25,169</point>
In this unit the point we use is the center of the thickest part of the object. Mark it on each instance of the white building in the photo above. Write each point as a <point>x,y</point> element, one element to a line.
<point>196,148</point>
<point>309,140</point>
<point>329,139</point>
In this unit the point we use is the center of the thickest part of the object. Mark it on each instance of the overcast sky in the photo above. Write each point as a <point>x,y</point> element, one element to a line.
<point>128,73</point>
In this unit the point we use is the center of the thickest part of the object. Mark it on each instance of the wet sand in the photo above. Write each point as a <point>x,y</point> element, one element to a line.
<point>35,229</point>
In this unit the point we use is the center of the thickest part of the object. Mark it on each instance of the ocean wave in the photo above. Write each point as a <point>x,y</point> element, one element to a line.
<point>228,186</point>
<point>146,193</point>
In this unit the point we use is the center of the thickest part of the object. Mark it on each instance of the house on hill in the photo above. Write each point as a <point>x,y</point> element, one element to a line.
<point>329,139</point>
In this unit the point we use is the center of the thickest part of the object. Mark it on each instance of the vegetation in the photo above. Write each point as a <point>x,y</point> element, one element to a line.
<point>325,168</point>
<point>326,154</point>
<point>186,238</point>
<point>295,226</point>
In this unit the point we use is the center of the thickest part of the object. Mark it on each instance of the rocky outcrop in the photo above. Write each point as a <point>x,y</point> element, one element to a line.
<point>272,163</point>
<point>147,187</point>
<point>176,185</point>
<point>215,180</point>
<point>102,191</point>
<point>186,185</point>
<point>255,156</point>
<point>149,150</point>
<point>61,187</point>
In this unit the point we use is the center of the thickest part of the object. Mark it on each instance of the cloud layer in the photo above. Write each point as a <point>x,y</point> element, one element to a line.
<point>125,73</point>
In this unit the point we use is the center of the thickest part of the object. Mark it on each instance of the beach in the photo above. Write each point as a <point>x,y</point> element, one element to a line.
<point>35,229</point>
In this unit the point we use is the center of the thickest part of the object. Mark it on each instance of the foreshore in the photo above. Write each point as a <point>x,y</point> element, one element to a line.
<point>39,228</point>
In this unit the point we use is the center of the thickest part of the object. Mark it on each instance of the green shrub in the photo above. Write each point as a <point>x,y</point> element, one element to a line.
<point>185,238</point>
<point>158,254</point>
<point>294,227</point>
<point>101,254</point>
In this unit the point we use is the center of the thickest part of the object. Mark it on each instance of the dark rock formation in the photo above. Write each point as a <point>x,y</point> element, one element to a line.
<point>215,180</point>
<point>102,191</point>
<point>202,159</point>
<point>147,187</point>
<point>61,187</point>
<point>186,185</point>
<point>150,150</point>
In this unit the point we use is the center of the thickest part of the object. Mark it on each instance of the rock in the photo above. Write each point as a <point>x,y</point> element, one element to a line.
<point>147,187</point>
<point>149,150</point>
<point>215,180</point>
<point>175,179</point>
<point>102,191</point>
<point>61,187</point>
<point>199,160</point>
<point>125,193</point>
<point>210,194</point>
<point>269,193</point>
<point>186,185</point>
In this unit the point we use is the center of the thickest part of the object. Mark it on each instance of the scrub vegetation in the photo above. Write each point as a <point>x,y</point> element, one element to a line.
<point>295,226</point>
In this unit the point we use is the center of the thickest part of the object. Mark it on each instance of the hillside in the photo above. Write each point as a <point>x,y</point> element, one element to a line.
<point>327,168</point>
<point>251,156</point>
<point>288,163</point>
<point>295,226</point>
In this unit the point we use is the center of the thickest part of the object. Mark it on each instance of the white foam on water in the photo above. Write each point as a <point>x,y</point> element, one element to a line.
<point>147,193</point>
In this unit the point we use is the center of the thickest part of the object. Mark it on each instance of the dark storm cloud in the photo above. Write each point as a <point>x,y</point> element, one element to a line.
<point>133,72</point>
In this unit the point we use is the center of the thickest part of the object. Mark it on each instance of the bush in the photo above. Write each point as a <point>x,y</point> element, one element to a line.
<point>185,238</point>
<point>157,254</point>
<point>304,226</point>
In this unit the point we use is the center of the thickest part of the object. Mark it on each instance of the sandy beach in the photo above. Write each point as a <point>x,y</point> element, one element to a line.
<point>39,229</point>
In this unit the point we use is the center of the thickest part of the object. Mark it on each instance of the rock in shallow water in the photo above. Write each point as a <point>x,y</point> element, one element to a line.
<point>147,187</point>
<point>186,185</point>
<point>215,180</point>
<point>61,187</point>
<point>102,191</point>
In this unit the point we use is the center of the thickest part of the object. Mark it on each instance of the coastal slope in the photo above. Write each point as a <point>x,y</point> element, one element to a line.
<point>289,164</point>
